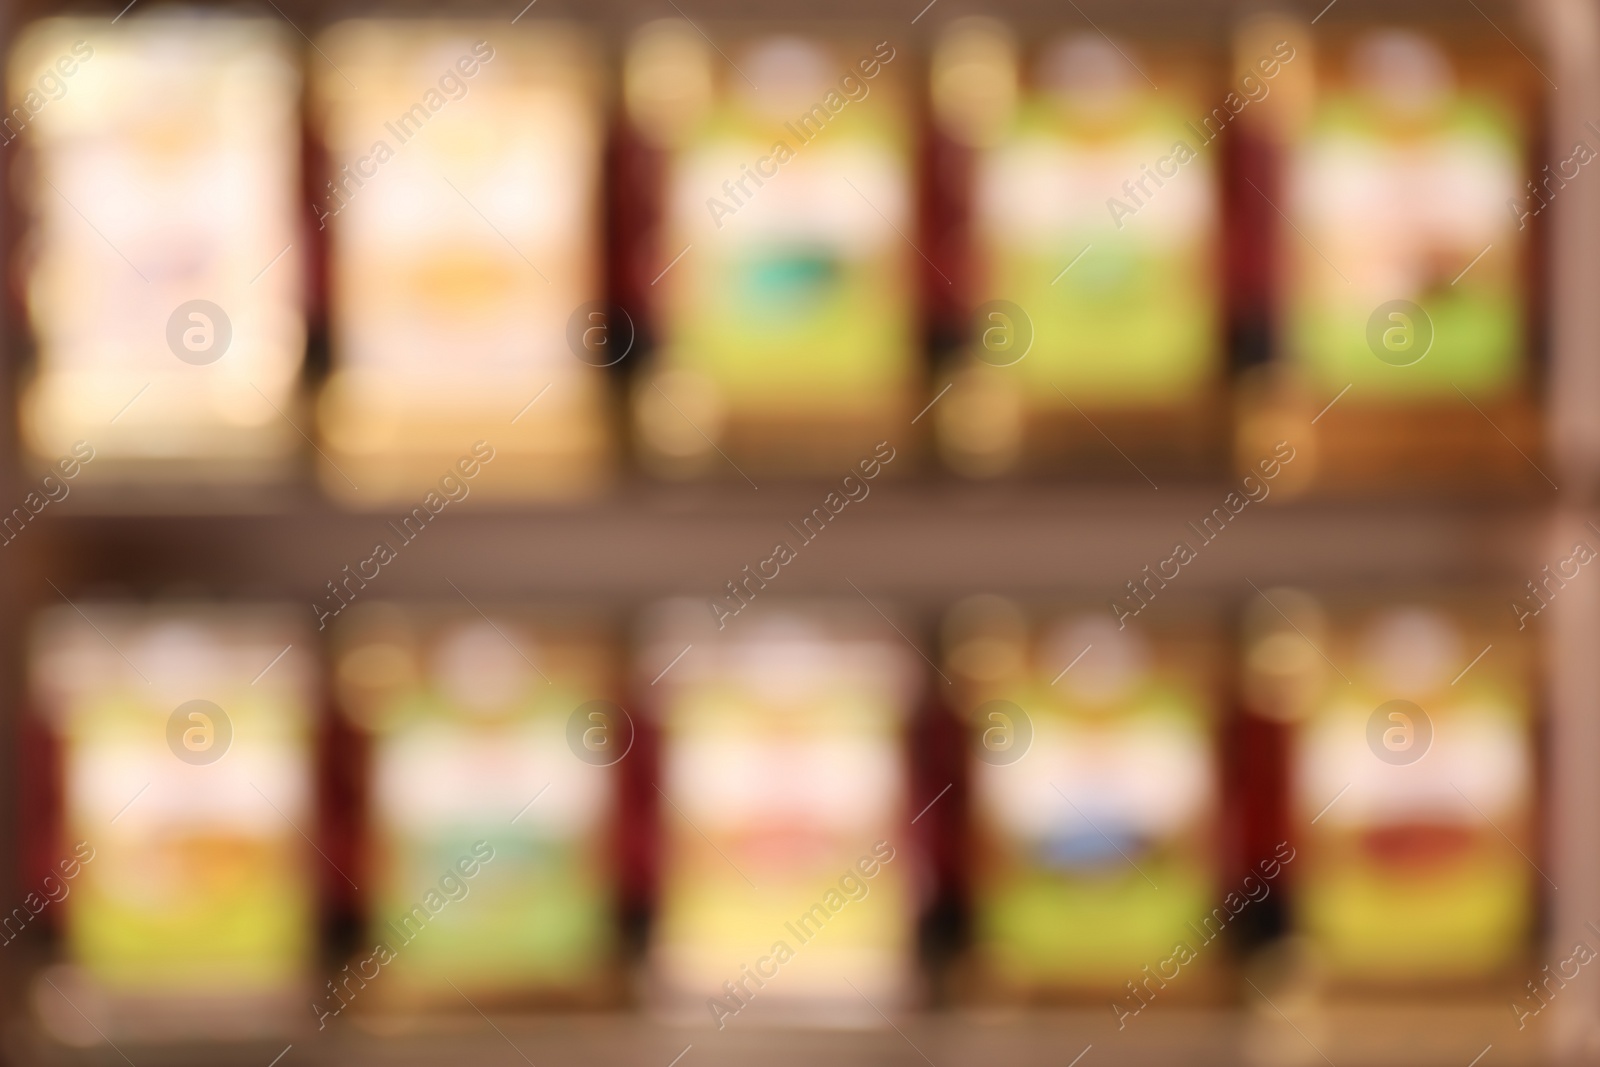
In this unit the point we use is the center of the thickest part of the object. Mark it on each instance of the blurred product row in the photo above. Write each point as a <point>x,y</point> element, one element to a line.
<point>1070,254</point>
<point>781,819</point>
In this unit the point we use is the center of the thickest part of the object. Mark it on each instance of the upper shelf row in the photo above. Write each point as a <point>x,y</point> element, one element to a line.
<point>1023,253</point>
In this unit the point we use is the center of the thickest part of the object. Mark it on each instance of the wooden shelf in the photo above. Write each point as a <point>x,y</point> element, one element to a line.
<point>1367,1036</point>
<point>913,540</point>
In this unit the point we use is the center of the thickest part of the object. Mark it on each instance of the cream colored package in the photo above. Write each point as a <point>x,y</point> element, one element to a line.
<point>159,166</point>
<point>460,203</point>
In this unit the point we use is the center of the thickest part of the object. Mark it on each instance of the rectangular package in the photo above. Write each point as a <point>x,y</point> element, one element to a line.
<point>164,252</point>
<point>1094,205</point>
<point>186,746</point>
<point>491,799</point>
<point>1412,774</point>
<point>1096,803</point>
<point>787,872</point>
<point>784,270</point>
<point>462,213</point>
<point>1407,259</point>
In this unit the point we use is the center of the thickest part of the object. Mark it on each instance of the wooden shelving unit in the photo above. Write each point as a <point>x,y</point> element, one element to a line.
<point>919,542</point>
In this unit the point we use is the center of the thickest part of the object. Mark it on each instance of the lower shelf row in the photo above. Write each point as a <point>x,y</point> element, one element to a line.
<point>819,809</point>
